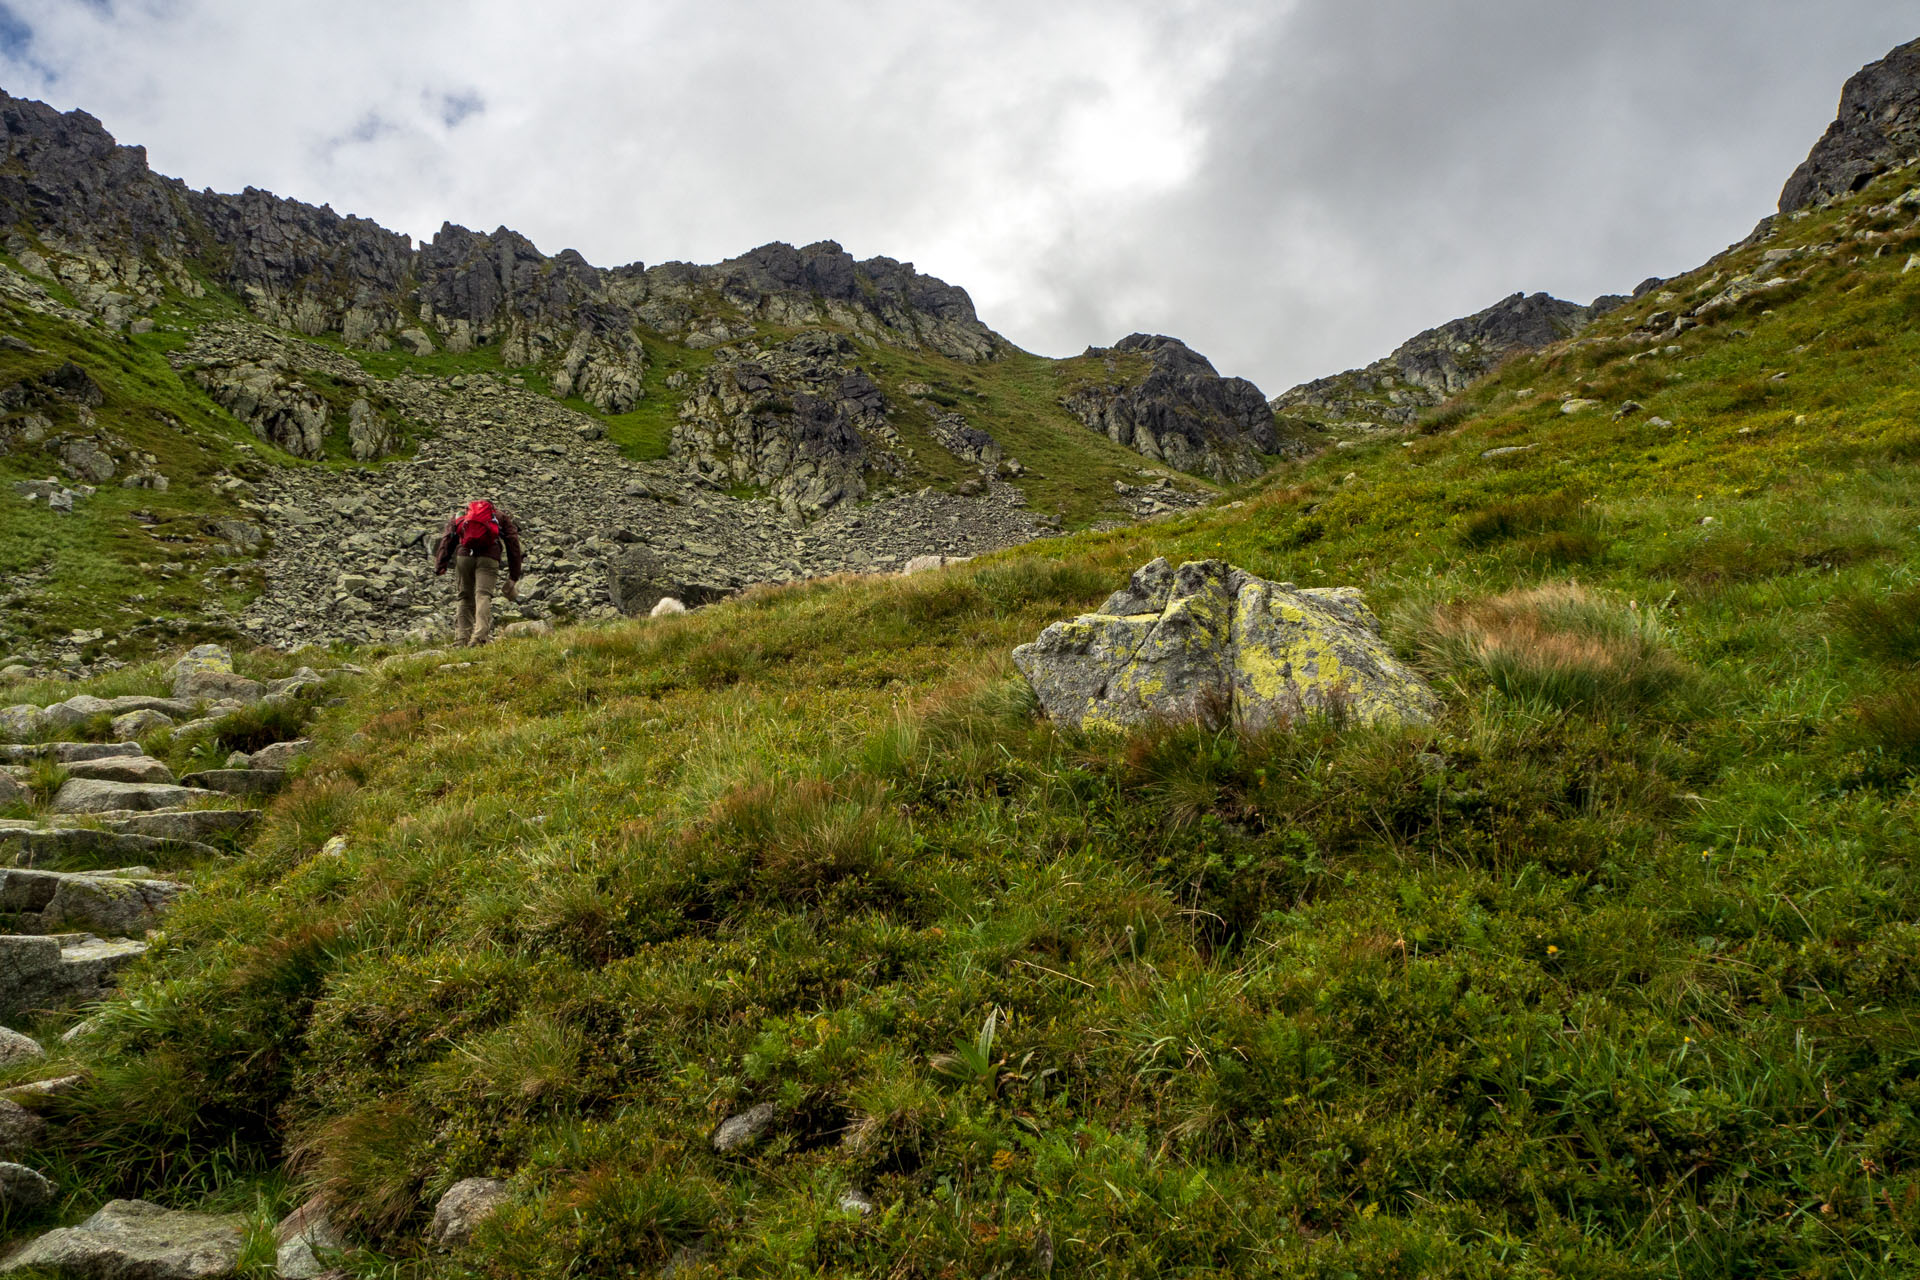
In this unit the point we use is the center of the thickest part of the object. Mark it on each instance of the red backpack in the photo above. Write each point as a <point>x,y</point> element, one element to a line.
<point>479,528</point>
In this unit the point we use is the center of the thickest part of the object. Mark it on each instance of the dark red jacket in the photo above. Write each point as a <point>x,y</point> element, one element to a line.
<point>449,543</point>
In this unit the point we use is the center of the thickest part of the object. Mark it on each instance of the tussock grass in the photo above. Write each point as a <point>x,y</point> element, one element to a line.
<point>1883,625</point>
<point>1500,521</point>
<point>1890,724</point>
<point>1561,645</point>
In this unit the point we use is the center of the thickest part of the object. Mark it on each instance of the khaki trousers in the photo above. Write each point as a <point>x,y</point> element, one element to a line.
<point>473,618</point>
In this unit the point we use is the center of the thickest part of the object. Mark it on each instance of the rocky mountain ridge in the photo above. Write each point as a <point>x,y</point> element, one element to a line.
<point>1182,411</point>
<point>1440,362</point>
<point>308,269</point>
<point>1877,128</point>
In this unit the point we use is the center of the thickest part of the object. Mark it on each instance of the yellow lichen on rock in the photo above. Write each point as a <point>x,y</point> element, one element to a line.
<point>1304,652</point>
<point>1213,643</point>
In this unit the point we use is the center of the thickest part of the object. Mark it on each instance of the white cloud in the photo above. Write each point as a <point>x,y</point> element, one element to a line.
<point>1291,186</point>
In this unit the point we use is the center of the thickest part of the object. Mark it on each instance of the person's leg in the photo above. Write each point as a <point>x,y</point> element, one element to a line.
<point>463,578</point>
<point>486,575</point>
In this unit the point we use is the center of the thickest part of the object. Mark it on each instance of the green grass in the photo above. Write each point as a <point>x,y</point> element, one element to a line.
<point>1610,972</point>
<point>1070,470</point>
<point>84,570</point>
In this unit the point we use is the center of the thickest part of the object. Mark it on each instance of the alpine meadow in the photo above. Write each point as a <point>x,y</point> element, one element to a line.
<point>1547,907</point>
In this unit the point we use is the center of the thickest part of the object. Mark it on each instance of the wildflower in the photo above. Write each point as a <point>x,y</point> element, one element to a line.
<point>1552,950</point>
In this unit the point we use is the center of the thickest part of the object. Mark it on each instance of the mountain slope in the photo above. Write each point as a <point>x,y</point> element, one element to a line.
<point>1610,972</point>
<point>732,421</point>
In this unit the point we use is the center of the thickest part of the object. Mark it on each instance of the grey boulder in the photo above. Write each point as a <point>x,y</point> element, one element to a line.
<point>138,724</point>
<point>17,1048</point>
<point>302,1237</point>
<point>22,1190</point>
<point>280,754</point>
<point>737,1133</point>
<point>238,782</point>
<point>217,686</point>
<point>50,901</point>
<point>21,1131</point>
<point>136,1240</point>
<point>13,791</point>
<point>34,847</point>
<point>38,973</point>
<point>467,1204</point>
<point>1211,643</point>
<point>206,674</point>
<point>68,752</point>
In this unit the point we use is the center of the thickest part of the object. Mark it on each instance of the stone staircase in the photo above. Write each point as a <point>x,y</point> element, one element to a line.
<point>79,899</point>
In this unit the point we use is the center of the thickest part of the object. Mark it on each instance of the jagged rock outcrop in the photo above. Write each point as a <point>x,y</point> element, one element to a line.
<point>1878,128</point>
<point>261,378</point>
<point>819,284</point>
<point>1215,644</point>
<point>1437,363</point>
<point>797,420</point>
<point>121,233</point>
<point>1182,413</point>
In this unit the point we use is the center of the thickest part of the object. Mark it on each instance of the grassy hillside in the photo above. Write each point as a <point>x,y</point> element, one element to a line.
<point>1612,972</point>
<point>137,564</point>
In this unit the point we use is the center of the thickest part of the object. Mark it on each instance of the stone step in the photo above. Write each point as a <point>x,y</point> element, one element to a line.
<point>89,795</point>
<point>48,901</point>
<point>163,824</point>
<point>238,782</point>
<point>40,973</point>
<point>37,846</point>
<point>83,707</point>
<point>68,752</point>
<point>122,769</point>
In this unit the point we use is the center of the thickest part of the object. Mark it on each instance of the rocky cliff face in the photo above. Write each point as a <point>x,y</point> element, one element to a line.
<point>1429,367</point>
<point>1182,412</point>
<point>798,420</point>
<point>1878,128</point>
<point>312,271</point>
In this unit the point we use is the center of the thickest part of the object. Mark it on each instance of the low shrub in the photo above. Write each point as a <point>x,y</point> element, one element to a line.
<point>1883,626</point>
<point>1565,547</point>
<point>1443,417</point>
<point>254,727</point>
<point>1501,521</point>
<point>1889,723</point>
<point>1558,644</point>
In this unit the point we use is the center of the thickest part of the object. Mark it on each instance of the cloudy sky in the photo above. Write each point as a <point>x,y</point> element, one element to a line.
<point>1293,186</point>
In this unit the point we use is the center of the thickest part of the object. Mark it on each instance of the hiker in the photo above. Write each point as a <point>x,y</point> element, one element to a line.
<point>471,546</point>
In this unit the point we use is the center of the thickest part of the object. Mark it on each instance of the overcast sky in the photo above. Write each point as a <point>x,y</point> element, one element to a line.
<point>1294,187</point>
